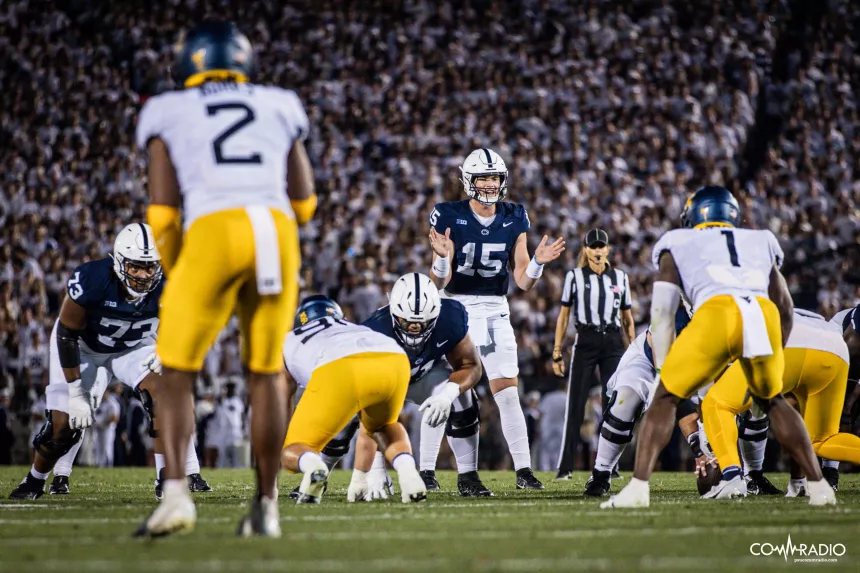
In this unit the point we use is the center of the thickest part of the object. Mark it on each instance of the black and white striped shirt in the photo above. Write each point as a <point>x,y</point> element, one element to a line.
<point>597,298</point>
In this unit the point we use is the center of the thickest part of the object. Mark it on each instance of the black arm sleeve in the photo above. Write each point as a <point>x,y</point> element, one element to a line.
<point>67,345</point>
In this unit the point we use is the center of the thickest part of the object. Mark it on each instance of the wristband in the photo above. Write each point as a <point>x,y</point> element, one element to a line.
<point>557,355</point>
<point>535,269</point>
<point>441,267</point>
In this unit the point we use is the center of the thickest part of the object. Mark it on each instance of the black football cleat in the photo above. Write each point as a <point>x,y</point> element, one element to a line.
<point>30,488</point>
<point>757,484</point>
<point>470,485</point>
<point>197,484</point>
<point>615,474</point>
<point>294,494</point>
<point>59,486</point>
<point>159,486</point>
<point>527,480</point>
<point>429,477</point>
<point>832,477</point>
<point>564,476</point>
<point>598,484</point>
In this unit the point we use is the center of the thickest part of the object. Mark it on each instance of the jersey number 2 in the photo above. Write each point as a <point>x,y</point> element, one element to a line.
<point>213,109</point>
<point>730,243</point>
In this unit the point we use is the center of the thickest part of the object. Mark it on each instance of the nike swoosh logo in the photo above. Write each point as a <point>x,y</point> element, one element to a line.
<point>440,344</point>
<point>506,224</point>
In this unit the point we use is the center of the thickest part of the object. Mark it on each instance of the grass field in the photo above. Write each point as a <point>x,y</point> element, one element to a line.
<point>553,530</point>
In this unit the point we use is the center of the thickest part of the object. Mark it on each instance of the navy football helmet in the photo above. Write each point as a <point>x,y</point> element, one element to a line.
<point>315,307</point>
<point>711,206</point>
<point>213,50</point>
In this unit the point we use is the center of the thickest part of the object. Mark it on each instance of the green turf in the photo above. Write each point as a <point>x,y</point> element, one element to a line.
<point>517,531</point>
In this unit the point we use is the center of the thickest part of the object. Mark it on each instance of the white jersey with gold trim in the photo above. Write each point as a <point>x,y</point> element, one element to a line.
<point>813,331</point>
<point>229,143</point>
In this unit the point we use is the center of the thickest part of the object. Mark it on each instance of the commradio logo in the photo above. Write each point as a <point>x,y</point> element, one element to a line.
<point>801,552</point>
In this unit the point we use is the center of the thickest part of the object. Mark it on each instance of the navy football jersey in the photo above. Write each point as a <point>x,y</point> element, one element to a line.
<point>451,327</point>
<point>114,324</point>
<point>482,255</point>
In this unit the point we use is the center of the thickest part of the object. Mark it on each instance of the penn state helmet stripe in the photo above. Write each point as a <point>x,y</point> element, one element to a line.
<point>489,157</point>
<point>145,238</point>
<point>417,293</point>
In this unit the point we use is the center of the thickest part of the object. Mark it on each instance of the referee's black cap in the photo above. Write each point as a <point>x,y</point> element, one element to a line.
<point>596,238</point>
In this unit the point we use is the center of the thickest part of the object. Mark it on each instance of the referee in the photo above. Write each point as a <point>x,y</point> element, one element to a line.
<point>600,299</point>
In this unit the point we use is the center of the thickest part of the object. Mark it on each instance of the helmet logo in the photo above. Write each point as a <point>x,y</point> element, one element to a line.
<point>199,58</point>
<point>704,211</point>
<point>303,318</point>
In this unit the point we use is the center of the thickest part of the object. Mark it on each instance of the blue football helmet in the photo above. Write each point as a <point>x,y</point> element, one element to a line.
<point>711,206</point>
<point>315,307</point>
<point>213,50</point>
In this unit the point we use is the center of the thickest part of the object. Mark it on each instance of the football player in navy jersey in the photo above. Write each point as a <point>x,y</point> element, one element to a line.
<point>106,329</point>
<point>486,238</point>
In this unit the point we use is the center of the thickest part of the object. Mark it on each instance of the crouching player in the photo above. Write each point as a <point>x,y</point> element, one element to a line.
<point>345,369</point>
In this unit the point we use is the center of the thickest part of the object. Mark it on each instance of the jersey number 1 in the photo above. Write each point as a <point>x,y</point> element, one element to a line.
<point>213,109</point>
<point>730,243</point>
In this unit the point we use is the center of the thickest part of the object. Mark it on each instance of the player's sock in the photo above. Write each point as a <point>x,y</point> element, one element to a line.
<point>466,452</point>
<point>731,473</point>
<point>192,464</point>
<point>514,426</point>
<point>403,462</point>
<point>63,467</point>
<point>378,461</point>
<point>309,461</point>
<point>825,463</point>
<point>329,461</point>
<point>37,474</point>
<point>752,432</point>
<point>752,454</point>
<point>159,465</point>
<point>431,441</point>
<point>616,431</point>
<point>608,454</point>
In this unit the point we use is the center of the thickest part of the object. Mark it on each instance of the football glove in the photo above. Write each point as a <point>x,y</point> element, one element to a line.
<point>437,408</point>
<point>82,406</point>
<point>358,488</point>
<point>378,484</point>
<point>153,363</point>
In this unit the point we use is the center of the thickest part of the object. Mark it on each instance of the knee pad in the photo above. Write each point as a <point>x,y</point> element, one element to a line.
<point>616,430</point>
<point>149,406</point>
<point>339,445</point>
<point>51,448</point>
<point>751,430</point>
<point>466,422</point>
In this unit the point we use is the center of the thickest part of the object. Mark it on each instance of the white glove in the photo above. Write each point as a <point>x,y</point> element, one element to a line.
<point>152,363</point>
<point>437,408</point>
<point>379,484</point>
<point>82,406</point>
<point>358,488</point>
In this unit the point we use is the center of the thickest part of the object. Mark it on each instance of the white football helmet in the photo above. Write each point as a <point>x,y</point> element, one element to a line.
<point>136,260</point>
<point>415,304</point>
<point>481,163</point>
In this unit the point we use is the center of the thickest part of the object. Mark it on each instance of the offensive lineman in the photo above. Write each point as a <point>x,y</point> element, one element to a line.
<point>230,154</point>
<point>486,237</point>
<point>742,311</point>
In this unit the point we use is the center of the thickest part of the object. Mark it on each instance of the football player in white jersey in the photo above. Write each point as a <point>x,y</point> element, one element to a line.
<point>345,369</point>
<point>742,311</point>
<point>230,154</point>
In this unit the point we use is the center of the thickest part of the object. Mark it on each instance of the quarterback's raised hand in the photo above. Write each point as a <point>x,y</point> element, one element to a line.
<point>441,244</point>
<point>545,253</point>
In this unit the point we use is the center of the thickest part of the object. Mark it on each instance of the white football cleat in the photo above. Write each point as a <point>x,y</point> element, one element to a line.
<point>796,488</point>
<point>264,519</point>
<point>636,493</point>
<point>175,514</point>
<point>820,493</point>
<point>313,484</point>
<point>731,489</point>
<point>412,488</point>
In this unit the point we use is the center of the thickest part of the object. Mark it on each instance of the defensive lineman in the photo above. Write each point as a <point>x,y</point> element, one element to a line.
<point>487,237</point>
<point>231,154</point>
<point>742,311</point>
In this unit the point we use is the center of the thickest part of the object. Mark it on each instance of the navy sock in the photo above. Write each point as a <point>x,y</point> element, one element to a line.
<point>731,473</point>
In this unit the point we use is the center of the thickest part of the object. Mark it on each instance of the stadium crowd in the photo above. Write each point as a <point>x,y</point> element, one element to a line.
<point>608,114</point>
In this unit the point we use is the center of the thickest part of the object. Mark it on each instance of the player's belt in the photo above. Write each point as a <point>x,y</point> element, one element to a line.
<point>597,329</point>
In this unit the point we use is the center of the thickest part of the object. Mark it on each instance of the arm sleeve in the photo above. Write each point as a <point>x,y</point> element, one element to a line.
<point>568,290</point>
<point>148,123</point>
<point>626,297</point>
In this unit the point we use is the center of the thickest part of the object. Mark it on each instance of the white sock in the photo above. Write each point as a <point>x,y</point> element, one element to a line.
<point>63,467</point>
<point>175,488</point>
<point>752,454</point>
<point>431,441</point>
<point>192,464</point>
<point>514,426</point>
<point>403,462</point>
<point>159,465</point>
<point>378,462</point>
<point>638,484</point>
<point>608,454</point>
<point>37,474</point>
<point>825,463</point>
<point>797,483</point>
<point>309,461</point>
<point>329,461</point>
<point>466,452</point>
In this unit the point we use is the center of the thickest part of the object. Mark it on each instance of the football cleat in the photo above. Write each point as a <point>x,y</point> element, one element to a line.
<point>59,486</point>
<point>313,485</point>
<point>176,514</point>
<point>429,478</point>
<point>527,480</point>
<point>197,484</point>
<point>564,476</point>
<point>598,484</point>
<point>820,493</point>
<point>615,474</point>
<point>30,488</point>
<point>263,521</point>
<point>796,488</point>
<point>469,485</point>
<point>758,484</point>
<point>832,477</point>
<point>412,487</point>
<point>159,489</point>
<point>636,493</point>
<point>731,489</point>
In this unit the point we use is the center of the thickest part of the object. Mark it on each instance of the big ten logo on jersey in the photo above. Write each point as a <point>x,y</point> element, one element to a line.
<point>127,333</point>
<point>421,368</point>
<point>733,274</point>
